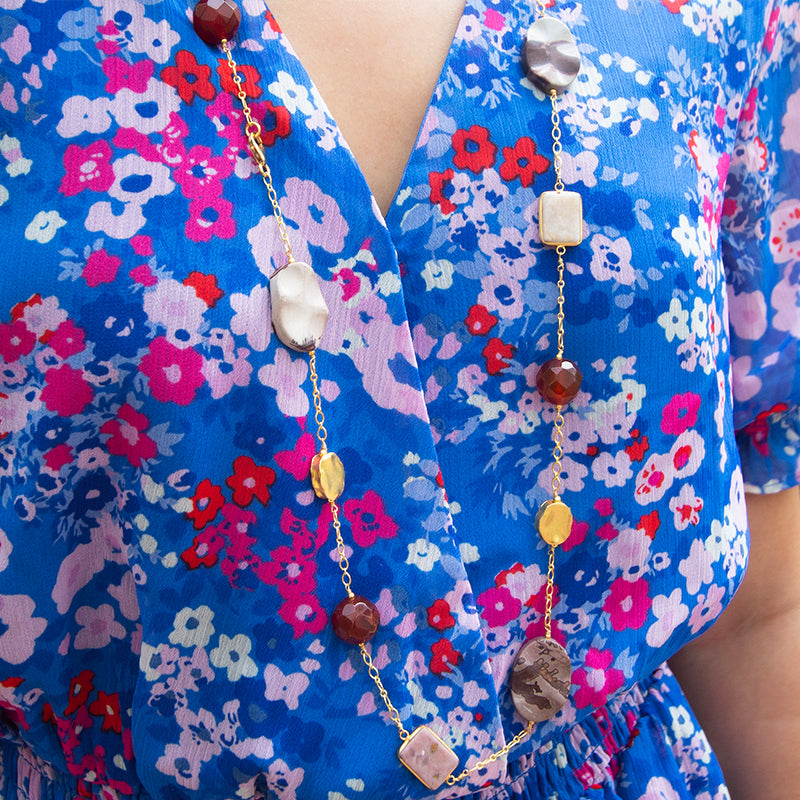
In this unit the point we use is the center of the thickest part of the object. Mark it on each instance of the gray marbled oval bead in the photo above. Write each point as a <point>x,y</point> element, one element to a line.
<point>299,312</point>
<point>550,56</point>
<point>540,679</point>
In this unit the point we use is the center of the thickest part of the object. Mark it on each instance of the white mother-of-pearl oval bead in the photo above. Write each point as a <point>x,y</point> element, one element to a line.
<point>299,312</point>
<point>550,56</point>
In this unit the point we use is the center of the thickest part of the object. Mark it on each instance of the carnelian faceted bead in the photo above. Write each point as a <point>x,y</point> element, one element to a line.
<point>355,620</point>
<point>215,20</point>
<point>558,381</point>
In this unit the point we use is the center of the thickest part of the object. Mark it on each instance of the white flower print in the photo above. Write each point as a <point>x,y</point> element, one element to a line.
<point>232,654</point>
<point>192,627</point>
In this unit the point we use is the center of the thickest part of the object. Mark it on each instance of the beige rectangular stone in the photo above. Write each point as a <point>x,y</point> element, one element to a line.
<point>560,218</point>
<point>426,756</point>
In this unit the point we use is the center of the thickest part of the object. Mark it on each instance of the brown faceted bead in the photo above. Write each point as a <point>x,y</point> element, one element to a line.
<point>355,620</point>
<point>558,381</point>
<point>215,20</point>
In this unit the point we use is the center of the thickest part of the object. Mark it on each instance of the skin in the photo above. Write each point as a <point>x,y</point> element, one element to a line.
<point>739,676</point>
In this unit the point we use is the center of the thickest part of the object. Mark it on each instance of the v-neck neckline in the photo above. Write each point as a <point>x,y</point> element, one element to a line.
<point>409,158</point>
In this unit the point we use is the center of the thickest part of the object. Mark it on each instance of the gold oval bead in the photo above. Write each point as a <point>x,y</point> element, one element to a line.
<point>554,522</point>
<point>327,475</point>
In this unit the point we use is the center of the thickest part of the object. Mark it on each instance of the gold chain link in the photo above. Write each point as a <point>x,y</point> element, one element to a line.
<point>252,130</point>
<point>557,148</point>
<point>548,594</point>
<point>540,8</point>
<point>253,133</point>
<point>522,735</point>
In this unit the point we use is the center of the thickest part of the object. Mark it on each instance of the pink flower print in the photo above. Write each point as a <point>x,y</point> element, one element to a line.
<point>127,436</point>
<point>121,74</point>
<point>227,118</point>
<point>143,275</point>
<point>20,628</point>
<point>297,462</point>
<point>708,608</point>
<point>175,374</point>
<point>680,413</point>
<point>304,614</point>
<point>369,520</point>
<point>67,339</point>
<point>772,30</point>
<point>142,245</point>
<point>15,341</point>
<point>291,572</point>
<point>499,606</point>
<point>87,168</point>
<point>98,627</point>
<point>597,680</point>
<point>201,173</point>
<point>66,391</point>
<point>100,268</point>
<point>316,214</point>
<point>628,604</point>
<point>210,217</point>
<point>57,457</point>
<point>305,540</point>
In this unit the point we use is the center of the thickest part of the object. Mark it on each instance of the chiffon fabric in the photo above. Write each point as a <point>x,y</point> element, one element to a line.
<point>167,574</point>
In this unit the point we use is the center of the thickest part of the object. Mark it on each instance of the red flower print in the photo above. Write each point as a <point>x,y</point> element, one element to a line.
<point>276,122</point>
<point>499,606</point>
<point>175,374</point>
<point>479,321</point>
<point>439,616</point>
<point>597,680</point>
<point>523,162</point>
<point>674,6</point>
<point>650,523</point>
<point>249,74</point>
<point>441,189</point>
<point>80,688</point>
<point>15,341</point>
<point>496,352</point>
<point>67,391</point>
<point>66,340</point>
<point>205,287</point>
<point>122,75</point>
<point>628,604</point>
<point>127,436</point>
<point>638,448</point>
<point>474,150</point>
<point>107,707</point>
<point>249,481</point>
<point>87,168</point>
<point>368,519</point>
<point>100,268</point>
<point>443,657</point>
<point>205,549</point>
<point>189,78</point>
<point>206,502</point>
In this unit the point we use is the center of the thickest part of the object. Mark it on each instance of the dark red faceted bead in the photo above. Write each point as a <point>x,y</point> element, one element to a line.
<point>355,620</point>
<point>215,20</point>
<point>558,381</point>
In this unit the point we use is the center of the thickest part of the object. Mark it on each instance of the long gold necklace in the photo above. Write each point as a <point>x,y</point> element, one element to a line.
<point>540,679</point>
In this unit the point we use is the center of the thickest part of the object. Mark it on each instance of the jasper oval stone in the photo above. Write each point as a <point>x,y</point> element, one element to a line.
<point>355,620</point>
<point>550,56</point>
<point>215,20</point>
<point>299,312</point>
<point>540,679</point>
<point>558,381</point>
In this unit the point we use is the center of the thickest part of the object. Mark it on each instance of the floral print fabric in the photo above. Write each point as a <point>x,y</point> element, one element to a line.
<point>166,572</point>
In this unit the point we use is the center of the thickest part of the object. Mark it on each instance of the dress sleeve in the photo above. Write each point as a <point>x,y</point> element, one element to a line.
<point>761,251</point>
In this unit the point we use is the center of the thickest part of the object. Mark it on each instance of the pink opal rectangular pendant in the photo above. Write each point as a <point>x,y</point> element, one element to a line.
<point>427,757</point>
<point>560,218</point>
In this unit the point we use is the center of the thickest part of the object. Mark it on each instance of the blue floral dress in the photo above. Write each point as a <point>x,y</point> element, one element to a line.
<point>167,573</point>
